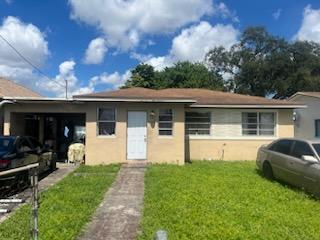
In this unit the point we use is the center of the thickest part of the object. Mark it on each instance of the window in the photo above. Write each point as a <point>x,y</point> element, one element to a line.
<point>317,127</point>
<point>198,123</point>
<point>258,123</point>
<point>106,121</point>
<point>165,122</point>
<point>301,148</point>
<point>282,146</point>
<point>316,146</point>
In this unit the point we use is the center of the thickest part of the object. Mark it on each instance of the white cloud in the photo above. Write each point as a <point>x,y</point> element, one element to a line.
<point>124,22</point>
<point>194,42</point>
<point>115,80</point>
<point>96,51</point>
<point>140,57</point>
<point>31,43</point>
<point>159,63</point>
<point>82,90</point>
<point>75,86</point>
<point>27,39</point>
<point>23,76</point>
<point>225,12</point>
<point>310,27</point>
<point>276,15</point>
<point>66,73</point>
<point>66,68</point>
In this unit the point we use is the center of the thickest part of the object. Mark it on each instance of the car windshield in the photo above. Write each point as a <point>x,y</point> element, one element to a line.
<point>6,144</point>
<point>316,146</point>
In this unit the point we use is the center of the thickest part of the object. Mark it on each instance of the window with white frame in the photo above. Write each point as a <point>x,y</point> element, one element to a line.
<point>258,123</point>
<point>198,123</point>
<point>106,121</point>
<point>165,122</point>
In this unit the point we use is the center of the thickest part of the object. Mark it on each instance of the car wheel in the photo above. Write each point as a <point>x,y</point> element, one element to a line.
<point>22,181</point>
<point>267,171</point>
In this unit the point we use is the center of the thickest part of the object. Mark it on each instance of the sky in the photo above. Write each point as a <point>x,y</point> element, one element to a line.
<point>94,44</point>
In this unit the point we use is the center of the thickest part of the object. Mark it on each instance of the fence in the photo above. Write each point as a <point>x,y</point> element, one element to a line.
<point>33,175</point>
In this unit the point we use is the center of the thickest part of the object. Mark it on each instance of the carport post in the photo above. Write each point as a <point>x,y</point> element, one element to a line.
<point>35,204</point>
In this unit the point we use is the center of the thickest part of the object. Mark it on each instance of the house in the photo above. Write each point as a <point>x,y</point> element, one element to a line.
<point>11,89</point>
<point>159,126</point>
<point>307,120</point>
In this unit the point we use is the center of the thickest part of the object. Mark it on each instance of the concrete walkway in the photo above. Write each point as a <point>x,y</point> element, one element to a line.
<point>118,216</point>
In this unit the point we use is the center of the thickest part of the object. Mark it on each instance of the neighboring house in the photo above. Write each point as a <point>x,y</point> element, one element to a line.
<point>11,89</point>
<point>160,126</point>
<point>307,120</point>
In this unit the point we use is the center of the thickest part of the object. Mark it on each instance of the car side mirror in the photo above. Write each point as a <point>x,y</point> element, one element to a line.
<point>310,159</point>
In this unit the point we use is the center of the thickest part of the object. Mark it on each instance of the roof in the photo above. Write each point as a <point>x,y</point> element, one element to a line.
<point>9,88</point>
<point>309,94</point>
<point>201,97</point>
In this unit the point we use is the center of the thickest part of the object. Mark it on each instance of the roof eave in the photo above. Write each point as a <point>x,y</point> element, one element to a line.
<point>264,106</point>
<point>43,99</point>
<point>301,94</point>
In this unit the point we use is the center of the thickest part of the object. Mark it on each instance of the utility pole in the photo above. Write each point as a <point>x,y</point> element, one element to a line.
<point>66,88</point>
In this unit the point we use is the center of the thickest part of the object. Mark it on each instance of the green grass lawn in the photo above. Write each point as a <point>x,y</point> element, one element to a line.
<point>225,200</point>
<point>66,207</point>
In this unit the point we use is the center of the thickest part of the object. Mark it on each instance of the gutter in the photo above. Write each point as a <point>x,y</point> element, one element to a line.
<point>248,106</point>
<point>42,99</point>
<point>3,102</point>
<point>185,101</point>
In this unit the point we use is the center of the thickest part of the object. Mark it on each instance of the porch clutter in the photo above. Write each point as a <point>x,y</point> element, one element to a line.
<point>76,153</point>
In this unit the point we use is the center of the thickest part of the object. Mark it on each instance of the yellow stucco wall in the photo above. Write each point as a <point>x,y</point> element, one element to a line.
<point>237,148</point>
<point>174,149</point>
<point>112,149</point>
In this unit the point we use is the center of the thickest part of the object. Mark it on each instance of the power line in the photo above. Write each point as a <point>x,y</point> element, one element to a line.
<point>29,62</point>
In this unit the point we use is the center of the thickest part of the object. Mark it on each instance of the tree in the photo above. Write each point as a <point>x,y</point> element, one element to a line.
<point>180,75</point>
<point>265,65</point>
<point>142,76</point>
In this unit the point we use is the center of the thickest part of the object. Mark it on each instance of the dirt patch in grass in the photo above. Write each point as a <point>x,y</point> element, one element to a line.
<point>225,200</point>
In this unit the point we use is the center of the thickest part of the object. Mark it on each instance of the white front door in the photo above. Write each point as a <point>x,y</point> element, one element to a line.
<point>137,135</point>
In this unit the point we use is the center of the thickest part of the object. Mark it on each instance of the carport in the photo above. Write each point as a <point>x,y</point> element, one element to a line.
<point>58,130</point>
<point>53,121</point>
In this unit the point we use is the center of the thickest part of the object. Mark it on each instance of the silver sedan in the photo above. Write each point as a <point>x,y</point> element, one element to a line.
<point>294,161</point>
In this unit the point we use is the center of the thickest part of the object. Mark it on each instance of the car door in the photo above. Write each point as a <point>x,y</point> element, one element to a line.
<point>278,156</point>
<point>306,174</point>
<point>25,153</point>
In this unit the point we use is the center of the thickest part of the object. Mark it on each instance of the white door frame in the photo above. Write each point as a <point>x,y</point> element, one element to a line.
<point>145,138</point>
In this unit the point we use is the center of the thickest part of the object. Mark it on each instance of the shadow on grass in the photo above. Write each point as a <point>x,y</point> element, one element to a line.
<point>289,186</point>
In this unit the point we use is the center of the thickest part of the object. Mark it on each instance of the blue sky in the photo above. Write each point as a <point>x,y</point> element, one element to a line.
<point>93,44</point>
